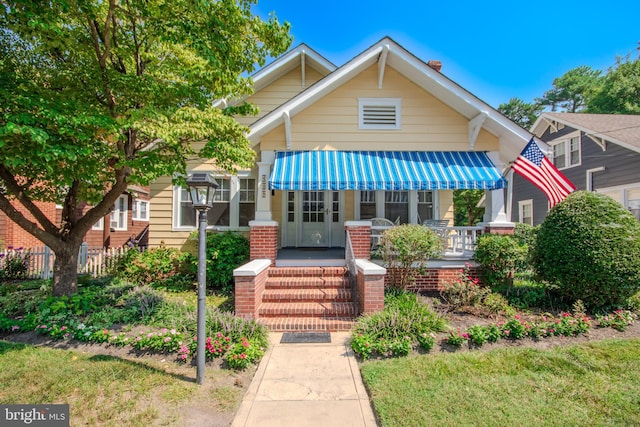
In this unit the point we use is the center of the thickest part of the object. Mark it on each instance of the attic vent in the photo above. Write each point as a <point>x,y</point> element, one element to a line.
<point>379,113</point>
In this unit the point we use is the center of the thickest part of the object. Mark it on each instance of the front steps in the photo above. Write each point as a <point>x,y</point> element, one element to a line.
<point>307,299</point>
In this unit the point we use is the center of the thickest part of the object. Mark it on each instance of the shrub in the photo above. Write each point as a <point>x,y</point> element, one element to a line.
<point>496,304</point>
<point>457,338</point>
<point>589,248</point>
<point>14,265</point>
<point>478,335</point>
<point>464,291</point>
<point>499,256</point>
<point>405,250</point>
<point>154,265</point>
<point>225,252</point>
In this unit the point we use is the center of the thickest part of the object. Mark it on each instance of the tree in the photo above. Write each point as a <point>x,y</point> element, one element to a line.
<point>522,113</point>
<point>572,91</point>
<point>465,206</point>
<point>620,90</point>
<point>97,95</point>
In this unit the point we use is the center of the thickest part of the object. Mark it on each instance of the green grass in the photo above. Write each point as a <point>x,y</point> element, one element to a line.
<point>101,390</point>
<point>582,385</point>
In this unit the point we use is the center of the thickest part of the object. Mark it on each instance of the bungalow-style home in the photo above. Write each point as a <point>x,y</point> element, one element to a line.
<point>343,153</point>
<point>597,152</point>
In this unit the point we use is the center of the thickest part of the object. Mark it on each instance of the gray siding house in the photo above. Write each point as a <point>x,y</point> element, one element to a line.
<point>597,152</point>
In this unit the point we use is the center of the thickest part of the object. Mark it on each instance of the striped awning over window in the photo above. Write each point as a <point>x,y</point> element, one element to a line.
<point>384,170</point>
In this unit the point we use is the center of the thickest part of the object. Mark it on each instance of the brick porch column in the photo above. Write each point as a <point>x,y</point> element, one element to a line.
<point>263,240</point>
<point>250,280</point>
<point>370,286</point>
<point>360,233</point>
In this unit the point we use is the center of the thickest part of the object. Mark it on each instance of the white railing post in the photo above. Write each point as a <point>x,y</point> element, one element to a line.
<point>46,267</point>
<point>82,257</point>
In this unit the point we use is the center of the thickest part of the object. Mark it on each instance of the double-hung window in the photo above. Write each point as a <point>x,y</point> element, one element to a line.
<point>119,213</point>
<point>140,210</point>
<point>567,152</point>
<point>234,204</point>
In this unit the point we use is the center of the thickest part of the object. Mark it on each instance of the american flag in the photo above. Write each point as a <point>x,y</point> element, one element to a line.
<point>535,167</point>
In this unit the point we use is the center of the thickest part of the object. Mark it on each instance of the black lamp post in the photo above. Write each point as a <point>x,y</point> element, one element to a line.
<point>202,188</point>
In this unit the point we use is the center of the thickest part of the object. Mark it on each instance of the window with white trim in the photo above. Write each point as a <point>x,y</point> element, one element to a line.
<point>379,113</point>
<point>234,204</point>
<point>567,152</point>
<point>367,204</point>
<point>525,211</point>
<point>396,206</point>
<point>425,205</point>
<point>247,209</point>
<point>119,213</point>
<point>99,225</point>
<point>140,210</point>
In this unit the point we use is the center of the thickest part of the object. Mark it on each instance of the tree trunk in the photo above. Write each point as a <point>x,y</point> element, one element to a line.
<point>65,270</point>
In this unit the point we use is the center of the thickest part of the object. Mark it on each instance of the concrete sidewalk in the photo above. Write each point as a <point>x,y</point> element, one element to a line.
<point>307,385</point>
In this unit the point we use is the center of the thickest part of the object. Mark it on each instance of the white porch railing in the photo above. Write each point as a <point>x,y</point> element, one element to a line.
<point>457,241</point>
<point>93,261</point>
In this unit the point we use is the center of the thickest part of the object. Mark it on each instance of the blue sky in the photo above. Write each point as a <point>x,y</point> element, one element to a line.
<point>495,49</point>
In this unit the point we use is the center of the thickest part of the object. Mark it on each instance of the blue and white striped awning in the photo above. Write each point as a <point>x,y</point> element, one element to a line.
<point>384,170</point>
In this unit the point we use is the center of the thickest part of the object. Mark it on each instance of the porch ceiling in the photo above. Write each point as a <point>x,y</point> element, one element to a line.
<point>384,170</point>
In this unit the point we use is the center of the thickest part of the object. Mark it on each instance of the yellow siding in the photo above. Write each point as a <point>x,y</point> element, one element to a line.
<point>279,92</point>
<point>160,220</point>
<point>427,124</point>
<point>349,197</point>
<point>446,205</point>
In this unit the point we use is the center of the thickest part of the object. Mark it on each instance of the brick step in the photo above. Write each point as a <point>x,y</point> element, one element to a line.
<point>281,282</point>
<point>298,324</point>
<point>307,272</point>
<point>307,295</point>
<point>307,309</point>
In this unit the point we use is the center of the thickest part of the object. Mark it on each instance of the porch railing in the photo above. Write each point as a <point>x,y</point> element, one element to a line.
<point>94,261</point>
<point>457,241</point>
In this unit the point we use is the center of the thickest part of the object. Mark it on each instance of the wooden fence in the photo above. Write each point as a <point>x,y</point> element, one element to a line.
<point>39,260</point>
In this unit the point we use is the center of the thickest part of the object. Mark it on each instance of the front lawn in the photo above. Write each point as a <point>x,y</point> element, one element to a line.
<point>588,384</point>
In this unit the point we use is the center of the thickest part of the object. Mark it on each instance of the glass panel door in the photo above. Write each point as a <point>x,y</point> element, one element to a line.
<point>313,225</point>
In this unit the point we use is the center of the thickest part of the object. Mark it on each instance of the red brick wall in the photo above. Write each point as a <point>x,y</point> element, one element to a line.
<point>434,278</point>
<point>15,236</point>
<point>360,240</point>
<point>264,242</point>
<point>248,294</point>
<point>370,293</point>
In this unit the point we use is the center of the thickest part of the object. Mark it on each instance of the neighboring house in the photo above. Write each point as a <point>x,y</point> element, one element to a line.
<point>385,136</point>
<point>597,152</point>
<point>127,223</point>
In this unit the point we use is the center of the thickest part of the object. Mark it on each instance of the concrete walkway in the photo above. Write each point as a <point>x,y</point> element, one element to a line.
<point>307,385</point>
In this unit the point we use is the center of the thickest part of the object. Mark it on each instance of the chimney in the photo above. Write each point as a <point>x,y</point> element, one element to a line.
<point>435,64</point>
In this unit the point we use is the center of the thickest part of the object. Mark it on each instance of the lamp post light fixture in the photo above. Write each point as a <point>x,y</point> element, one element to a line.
<point>202,188</point>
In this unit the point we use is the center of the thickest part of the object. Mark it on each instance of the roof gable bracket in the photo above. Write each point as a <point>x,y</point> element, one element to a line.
<point>303,68</point>
<point>287,128</point>
<point>475,125</point>
<point>602,143</point>
<point>552,124</point>
<point>382,63</point>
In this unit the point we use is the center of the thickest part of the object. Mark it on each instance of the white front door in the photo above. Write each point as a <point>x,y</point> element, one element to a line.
<point>313,219</point>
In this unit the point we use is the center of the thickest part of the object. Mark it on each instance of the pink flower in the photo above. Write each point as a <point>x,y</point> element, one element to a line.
<point>243,356</point>
<point>245,343</point>
<point>15,328</point>
<point>167,339</point>
<point>64,328</point>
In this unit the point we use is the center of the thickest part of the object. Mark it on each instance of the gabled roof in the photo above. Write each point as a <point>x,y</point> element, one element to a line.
<point>621,129</point>
<point>301,54</point>
<point>388,52</point>
<point>290,60</point>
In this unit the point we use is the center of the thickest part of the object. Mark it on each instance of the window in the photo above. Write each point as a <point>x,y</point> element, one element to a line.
<point>396,206</point>
<point>119,214</point>
<point>247,201</point>
<point>525,211</point>
<point>98,225</point>
<point>633,202</point>
<point>218,215</point>
<point>367,204</point>
<point>234,204</point>
<point>379,113</point>
<point>425,205</point>
<point>566,153</point>
<point>140,210</point>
